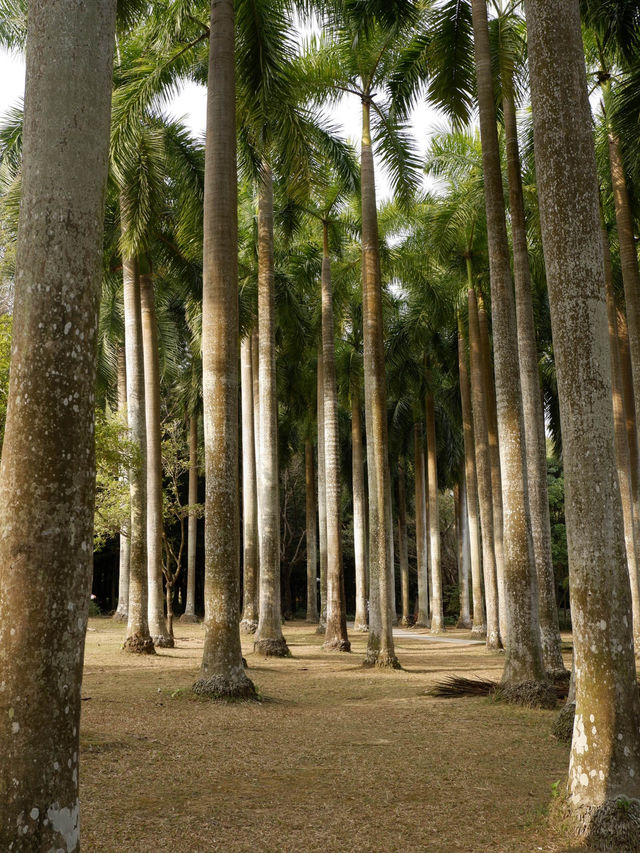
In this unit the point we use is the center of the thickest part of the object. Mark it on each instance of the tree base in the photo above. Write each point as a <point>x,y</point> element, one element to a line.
<point>119,616</point>
<point>272,648</point>
<point>189,618</point>
<point>494,644</point>
<point>361,628</point>
<point>613,826</point>
<point>479,631</point>
<point>337,645</point>
<point>137,645</point>
<point>563,726</point>
<point>321,629</point>
<point>559,676</point>
<point>419,624</point>
<point>463,623</point>
<point>222,688</point>
<point>528,694</point>
<point>435,630</point>
<point>248,626</point>
<point>311,620</point>
<point>386,660</point>
<point>406,623</point>
<point>163,641</point>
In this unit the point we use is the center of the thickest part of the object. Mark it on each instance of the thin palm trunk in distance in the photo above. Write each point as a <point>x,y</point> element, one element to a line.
<point>312,533</point>
<point>402,543</point>
<point>249,622</point>
<point>189,614</point>
<point>322,494</point>
<point>222,672</point>
<point>123,557</point>
<point>422,565</point>
<point>359,515</point>
<point>437,605</point>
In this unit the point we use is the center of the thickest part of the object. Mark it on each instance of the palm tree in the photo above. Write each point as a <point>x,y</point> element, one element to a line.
<point>122,610</point>
<point>189,614</point>
<point>249,622</point>
<point>605,757</point>
<point>46,524</point>
<point>312,534</point>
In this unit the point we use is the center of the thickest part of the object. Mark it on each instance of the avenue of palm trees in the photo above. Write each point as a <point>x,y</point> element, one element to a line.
<point>239,386</point>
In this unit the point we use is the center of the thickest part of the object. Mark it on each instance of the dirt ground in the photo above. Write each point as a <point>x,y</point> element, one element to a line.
<point>335,757</point>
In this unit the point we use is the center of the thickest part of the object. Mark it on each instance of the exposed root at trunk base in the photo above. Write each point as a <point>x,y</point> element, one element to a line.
<point>248,626</point>
<point>563,726</point>
<point>479,631</point>
<point>463,623</point>
<point>137,645</point>
<point>118,616</point>
<point>386,660</point>
<point>613,826</point>
<point>528,694</point>
<point>222,688</point>
<point>164,642</point>
<point>272,648</point>
<point>559,676</point>
<point>361,628</point>
<point>337,645</point>
<point>189,618</point>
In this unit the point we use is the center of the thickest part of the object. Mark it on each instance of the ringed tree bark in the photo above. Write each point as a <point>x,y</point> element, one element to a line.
<point>189,614</point>
<point>359,515</point>
<point>222,674</point>
<point>402,543</point>
<point>524,650</point>
<point>269,638</point>
<point>249,622</point>
<point>312,534</point>
<point>478,622</point>
<point>138,639</point>
<point>123,570</point>
<point>336,638</point>
<point>535,440</point>
<point>421,530</point>
<point>322,494</point>
<point>380,649</point>
<point>47,474</point>
<point>604,769</point>
<point>155,524</point>
<point>437,606</point>
<point>462,534</point>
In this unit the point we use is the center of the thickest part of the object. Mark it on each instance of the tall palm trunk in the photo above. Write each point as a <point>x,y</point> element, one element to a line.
<point>629,407</point>
<point>483,471</point>
<point>471,483</point>
<point>437,606</point>
<point>155,602</point>
<point>222,672</point>
<point>380,650</point>
<point>322,494</point>
<point>535,440</point>
<point>255,372</point>
<point>189,614</point>
<point>138,637</point>
<point>421,530</point>
<point>462,532</point>
<point>402,542</point>
<point>249,622</point>
<point>494,459</point>
<point>269,638</point>
<point>123,570</point>
<point>524,650</point>
<point>359,515</point>
<point>605,753</point>
<point>47,475</point>
<point>623,457</point>
<point>312,534</point>
<point>336,637</point>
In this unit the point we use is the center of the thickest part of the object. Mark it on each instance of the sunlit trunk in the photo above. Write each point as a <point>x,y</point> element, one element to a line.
<point>402,542</point>
<point>322,495</point>
<point>189,614</point>
<point>249,621</point>
<point>422,620</point>
<point>123,561</point>
<point>359,516</point>
<point>462,537</point>
<point>437,607</point>
<point>312,534</point>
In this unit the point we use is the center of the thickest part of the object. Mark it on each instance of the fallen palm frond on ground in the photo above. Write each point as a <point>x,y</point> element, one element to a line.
<point>529,694</point>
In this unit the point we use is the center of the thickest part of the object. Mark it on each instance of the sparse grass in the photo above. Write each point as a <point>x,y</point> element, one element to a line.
<point>335,758</point>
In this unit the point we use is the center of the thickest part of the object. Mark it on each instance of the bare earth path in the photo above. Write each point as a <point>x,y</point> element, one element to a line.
<point>337,757</point>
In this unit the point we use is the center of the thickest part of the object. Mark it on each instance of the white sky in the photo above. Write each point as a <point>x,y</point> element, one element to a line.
<point>190,105</point>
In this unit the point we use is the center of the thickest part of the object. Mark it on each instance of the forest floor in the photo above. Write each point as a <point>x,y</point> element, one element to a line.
<point>335,758</point>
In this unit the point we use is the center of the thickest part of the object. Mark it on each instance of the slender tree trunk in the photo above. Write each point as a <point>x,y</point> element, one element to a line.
<point>629,407</point>
<point>138,637</point>
<point>249,623</point>
<point>222,672</point>
<point>47,475</point>
<point>421,531</point>
<point>380,650</point>
<point>437,607</point>
<point>623,462</point>
<point>122,610</point>
<point>605,753</point>
<point>155,602</point>
<point>269,638</point>
<point>524,650</point>
<point>479,626</point>
<point>312,534</point>
<point>359,515</point>
<point>189,614</point>
<point>462,531</point>
<point>336,638</point>
<point>494,459</point>
<point>322,494</point>
<point>535,440</point>
<point>483,469</point>
<point>402,542</point>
